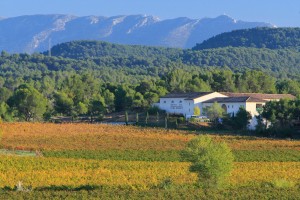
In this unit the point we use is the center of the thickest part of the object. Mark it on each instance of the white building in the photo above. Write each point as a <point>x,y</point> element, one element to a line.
<point>231,105</point>
<point>184,103</point>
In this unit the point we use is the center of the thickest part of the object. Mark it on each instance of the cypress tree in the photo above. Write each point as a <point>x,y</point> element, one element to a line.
<point>126,118</point>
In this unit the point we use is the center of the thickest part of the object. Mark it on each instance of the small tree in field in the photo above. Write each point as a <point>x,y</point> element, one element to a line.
<point>214,112</point>
<point>196,111</point>
<point>212,161</point>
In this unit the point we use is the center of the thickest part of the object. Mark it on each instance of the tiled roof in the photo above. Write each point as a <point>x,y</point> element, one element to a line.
<point>234,100</point>
<point>191,95</point>
<point>260,95</point>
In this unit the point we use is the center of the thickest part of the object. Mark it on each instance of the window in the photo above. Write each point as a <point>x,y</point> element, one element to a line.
<point>189,104</point>
<point>259,105</point>
<point>180,101</point>
<point>259,108</point>
<point>228,106</point>
<point>172,101</point>
<point>165,102</point>
<point>232,106</point>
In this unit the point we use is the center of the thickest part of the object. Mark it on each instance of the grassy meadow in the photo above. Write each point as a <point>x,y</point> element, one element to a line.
<point>92,161</point>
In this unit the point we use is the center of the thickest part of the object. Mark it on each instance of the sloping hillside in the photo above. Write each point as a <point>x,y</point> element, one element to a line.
<point>278,62</point>
<point>272,38</point>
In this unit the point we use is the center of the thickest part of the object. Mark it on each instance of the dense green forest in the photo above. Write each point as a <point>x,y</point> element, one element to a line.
<point>279,63</point>
<point>271,38</point>
<point>93,78</point>
<point>38,86</point>
<point>94,49</point>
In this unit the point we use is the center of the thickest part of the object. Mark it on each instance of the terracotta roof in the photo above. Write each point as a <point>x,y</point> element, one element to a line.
<point>189,96</point>
<point>234,99</point>
<point>260,95</point>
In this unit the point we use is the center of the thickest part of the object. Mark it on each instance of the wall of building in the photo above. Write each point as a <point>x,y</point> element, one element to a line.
<point>251,108</point>
<point>198,101</point>
<point>176,105</point>
<point>185,107</point>
<point>232,107</point>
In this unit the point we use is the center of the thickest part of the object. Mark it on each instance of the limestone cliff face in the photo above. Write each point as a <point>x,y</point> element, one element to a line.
<point>33,33</point>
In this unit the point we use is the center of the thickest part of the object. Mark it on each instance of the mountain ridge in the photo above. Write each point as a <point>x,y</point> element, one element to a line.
<point>271,38</point>
<point>278,62</point>
<point>32,33</point>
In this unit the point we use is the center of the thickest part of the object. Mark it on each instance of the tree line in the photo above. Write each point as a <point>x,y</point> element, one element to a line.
<point>74,94</point>
<point>280,62</point>
<point>262,37</point>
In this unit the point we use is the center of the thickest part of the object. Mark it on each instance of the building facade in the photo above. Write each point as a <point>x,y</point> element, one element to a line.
<point>184,103</point>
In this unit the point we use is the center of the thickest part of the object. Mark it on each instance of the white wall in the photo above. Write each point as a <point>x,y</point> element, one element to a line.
<point>172,105</point>
<point>198,101</point>
<point>234,107</point>
<point>251,108</point>
<point>185,107</point>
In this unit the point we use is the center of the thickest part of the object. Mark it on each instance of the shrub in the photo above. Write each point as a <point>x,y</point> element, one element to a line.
<point>181,120</point>
<point>212,161</point>
<point>282,183</point>
<point>165,184</point>
<point>196,110</point>
<point>241,120</point>
<point>153,110</point>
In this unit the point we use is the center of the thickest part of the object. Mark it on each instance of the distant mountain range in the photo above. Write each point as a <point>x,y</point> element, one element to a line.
<point>36,32</point>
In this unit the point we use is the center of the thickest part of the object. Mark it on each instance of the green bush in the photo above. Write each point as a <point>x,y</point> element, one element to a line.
<point>282,183</point>
<point>212,161</point>
<point>181,120</point>
<point>154,110</point>
<point>165,184</point>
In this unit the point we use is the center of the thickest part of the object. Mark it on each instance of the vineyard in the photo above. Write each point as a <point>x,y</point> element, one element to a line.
<point>89,161</point>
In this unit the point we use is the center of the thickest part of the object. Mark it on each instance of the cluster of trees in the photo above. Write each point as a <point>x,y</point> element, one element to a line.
<point>95,49</point>
<point>277,118</point>
<point>74,95</point>
<point>219,117</point>
<point>225,80</point>
<point>282,118</point>
<point>135,63</point>
<point>83,93</point>
<point>272,38</point>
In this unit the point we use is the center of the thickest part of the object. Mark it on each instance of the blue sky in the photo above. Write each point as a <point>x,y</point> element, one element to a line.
<point>278,12</point>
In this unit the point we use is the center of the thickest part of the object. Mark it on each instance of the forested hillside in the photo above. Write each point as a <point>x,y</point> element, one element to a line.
<point>278,63</point>
<point>94,78</point>
<point>271,38</point>
<point>93,49</point>
<point>35,87</point>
